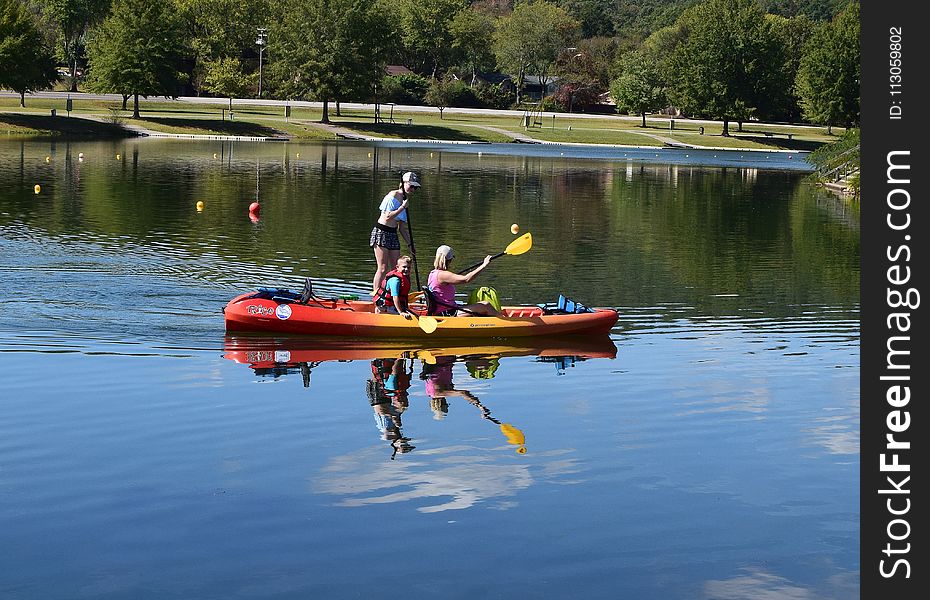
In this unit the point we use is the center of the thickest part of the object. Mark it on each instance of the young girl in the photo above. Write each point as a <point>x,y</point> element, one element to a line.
<point>384,239</point>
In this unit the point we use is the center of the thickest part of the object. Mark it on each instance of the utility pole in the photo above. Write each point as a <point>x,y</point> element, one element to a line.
<point>262,40</point>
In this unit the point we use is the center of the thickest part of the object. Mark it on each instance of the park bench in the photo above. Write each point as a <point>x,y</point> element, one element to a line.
<point>771,134</point>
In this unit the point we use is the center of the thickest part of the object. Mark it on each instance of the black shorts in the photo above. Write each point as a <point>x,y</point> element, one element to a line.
<point>384,237</point>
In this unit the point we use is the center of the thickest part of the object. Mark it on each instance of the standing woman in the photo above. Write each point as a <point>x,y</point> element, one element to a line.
<point>384,239</point>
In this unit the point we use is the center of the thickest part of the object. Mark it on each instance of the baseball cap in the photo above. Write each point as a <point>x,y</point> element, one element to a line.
<point>445,251</point>
<point>411,178</point>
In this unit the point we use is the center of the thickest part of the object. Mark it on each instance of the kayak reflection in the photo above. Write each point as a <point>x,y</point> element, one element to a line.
<point>279,355</point>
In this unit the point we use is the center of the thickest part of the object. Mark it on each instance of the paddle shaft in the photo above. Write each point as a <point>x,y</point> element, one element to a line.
<point>413,248</point>
<point>478,264</point>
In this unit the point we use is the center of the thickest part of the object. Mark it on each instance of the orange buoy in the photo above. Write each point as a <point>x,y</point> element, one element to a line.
<point>255,207</point>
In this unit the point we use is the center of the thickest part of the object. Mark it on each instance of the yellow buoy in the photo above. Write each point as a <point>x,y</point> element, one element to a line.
<point>117,157</point>
<point>298,155</point>
<point>199,205</point>
<point>48,159</point>
<point>515,229</point>
<point>38,188</point>
<point>214,155</point>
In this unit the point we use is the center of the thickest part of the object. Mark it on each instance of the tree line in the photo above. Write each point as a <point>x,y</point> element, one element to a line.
<point>731,60</point>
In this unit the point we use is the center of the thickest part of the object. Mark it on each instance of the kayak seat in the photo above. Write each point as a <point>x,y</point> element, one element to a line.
<point>433,305</point>
<point>564,306</point>
<point>307,293</point>
<point>282,295</point>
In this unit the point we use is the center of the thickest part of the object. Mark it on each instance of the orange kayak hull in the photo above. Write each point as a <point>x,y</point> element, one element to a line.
<point>357,319</point>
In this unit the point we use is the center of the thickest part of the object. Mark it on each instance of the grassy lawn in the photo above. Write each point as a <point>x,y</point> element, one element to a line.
<point>205,125</point>
<point>462,132</point>
<point>269,121</point>
<point>45,125</point>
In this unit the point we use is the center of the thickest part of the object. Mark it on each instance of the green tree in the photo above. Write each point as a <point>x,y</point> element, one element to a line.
<point>137,50</point>
<point>224,76</point>
<point>640,89</point>
<point>73,19</point>
<point>636,19</point>
<point>820,10</point>
<point>531,38</point>
<point>26,64</point>
<point>793,33</point>
<point>828,74</point>
<point>224,29</point>
<point>597,58</point>
<point>442,92</point>
<point>593,15</point>
<point>472,32</point>
<point>584,72</point>
<point>328,51</point>
<point>660,48</point>
<point>727,61</point>
<point>425,27</point>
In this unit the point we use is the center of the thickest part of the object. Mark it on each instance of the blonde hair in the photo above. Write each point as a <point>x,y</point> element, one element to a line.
<point>444,254</point>
<point>403,258</point>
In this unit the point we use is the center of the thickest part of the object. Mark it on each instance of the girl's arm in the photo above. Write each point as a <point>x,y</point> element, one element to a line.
<point>390,214</point>
<point>402,227</point>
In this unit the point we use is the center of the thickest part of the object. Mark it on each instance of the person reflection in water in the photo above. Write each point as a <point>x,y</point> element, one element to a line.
<point>439,387</point>
<point>388,391</point>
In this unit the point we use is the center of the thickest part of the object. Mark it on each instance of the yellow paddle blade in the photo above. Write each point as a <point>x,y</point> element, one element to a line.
<point>427,323</point>
<point>513,435</point>
<point>520,245</point>
<point>415,296</point>
<point>427,356</point>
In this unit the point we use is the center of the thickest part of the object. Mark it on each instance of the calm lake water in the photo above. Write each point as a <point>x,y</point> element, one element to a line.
<point>707,449</point>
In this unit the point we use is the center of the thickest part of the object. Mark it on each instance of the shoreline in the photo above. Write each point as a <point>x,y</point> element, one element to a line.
<point>477,130</point>
<point>678,154</point>
<point>252,119</point>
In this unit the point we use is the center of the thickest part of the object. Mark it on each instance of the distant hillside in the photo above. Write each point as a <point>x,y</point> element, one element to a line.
<point>636,19</point>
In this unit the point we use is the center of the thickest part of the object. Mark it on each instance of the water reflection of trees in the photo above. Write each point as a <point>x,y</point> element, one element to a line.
<point>610,233</point>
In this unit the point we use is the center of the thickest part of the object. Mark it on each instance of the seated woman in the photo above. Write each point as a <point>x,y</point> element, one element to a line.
<point>442,284</point>
<point>391,296</point>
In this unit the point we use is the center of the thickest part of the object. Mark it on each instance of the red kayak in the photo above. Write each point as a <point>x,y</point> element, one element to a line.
<point>281,311</point>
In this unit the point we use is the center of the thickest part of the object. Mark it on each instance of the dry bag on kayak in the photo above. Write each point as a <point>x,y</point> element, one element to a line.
<point>485,294</point>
